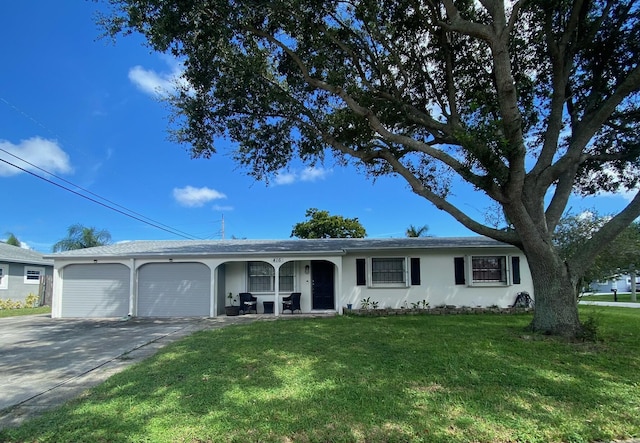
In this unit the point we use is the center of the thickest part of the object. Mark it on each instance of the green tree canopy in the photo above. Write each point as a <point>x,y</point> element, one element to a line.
<point>81,237</point>
<point>622,255</point>
<point>13,240</point>
<point>320,224</point>
<point>526,102</point>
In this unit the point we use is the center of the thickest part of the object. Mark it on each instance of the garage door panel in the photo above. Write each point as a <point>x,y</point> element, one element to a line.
<point>97,290</point>
<point>174,290</point>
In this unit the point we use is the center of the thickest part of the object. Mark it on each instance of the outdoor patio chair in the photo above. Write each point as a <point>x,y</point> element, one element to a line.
<point>292,302</point>
<point>248,303</point>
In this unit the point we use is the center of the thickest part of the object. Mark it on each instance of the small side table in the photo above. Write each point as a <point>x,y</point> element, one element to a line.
<point>268,307</point>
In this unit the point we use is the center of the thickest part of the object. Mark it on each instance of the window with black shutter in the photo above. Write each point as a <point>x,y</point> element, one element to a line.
<point>361,276</point>
<point>515,270</point>
<point>415,271</point>
<point>458,266</point>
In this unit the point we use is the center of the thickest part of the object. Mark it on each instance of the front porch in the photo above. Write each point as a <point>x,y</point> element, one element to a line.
<point>270,281</point>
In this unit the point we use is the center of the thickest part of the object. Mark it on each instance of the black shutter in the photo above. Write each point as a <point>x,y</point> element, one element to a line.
<point>361,279</point>
<point>415,271</point>
<point>515,270</point>
<point>458,265</point>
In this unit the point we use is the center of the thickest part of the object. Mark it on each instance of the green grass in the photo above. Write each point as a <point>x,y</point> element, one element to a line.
<point>467,378</point>
<point>622,297</point>
<point>24,311</point>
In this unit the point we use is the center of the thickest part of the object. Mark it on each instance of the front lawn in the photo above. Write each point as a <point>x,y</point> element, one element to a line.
<point>622,297</point>
<point>25,311</point>
<point>465,378</point>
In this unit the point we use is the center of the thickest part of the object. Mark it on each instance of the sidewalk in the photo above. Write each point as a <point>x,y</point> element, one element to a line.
<point>617,304</point>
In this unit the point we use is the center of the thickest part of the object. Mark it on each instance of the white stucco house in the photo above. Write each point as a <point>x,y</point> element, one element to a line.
<point>20,272</point>
<point>193,278</point>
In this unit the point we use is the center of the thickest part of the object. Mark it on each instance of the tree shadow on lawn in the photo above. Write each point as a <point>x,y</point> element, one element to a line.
<point>345,379</point>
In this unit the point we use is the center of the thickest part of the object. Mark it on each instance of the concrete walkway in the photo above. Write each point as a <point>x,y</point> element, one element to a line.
<point>617,304</point>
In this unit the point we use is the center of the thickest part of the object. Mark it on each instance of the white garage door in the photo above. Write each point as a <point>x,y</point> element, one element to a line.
<point>97,290</point>
<point>174,290</point>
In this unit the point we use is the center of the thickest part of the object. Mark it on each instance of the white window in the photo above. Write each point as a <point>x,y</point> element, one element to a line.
<point>388,271</point>
<point>261,276</point>
<point>489,269</point>
<point>4,276</point>
<point>32,275</point>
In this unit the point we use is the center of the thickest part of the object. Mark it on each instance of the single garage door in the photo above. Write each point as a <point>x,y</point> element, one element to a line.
<point>174,290</point>
<point>96,290</point>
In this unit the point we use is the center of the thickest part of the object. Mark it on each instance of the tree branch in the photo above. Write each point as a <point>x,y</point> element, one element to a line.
<point>379,127</point>
<point>604,236</point>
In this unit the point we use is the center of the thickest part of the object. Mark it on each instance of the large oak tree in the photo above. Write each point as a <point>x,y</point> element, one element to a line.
<point>525,101</point>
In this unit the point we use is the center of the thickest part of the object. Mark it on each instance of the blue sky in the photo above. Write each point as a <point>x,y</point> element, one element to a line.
<point>87,110</point>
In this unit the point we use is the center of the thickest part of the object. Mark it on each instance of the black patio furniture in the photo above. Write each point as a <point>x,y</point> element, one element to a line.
<point>291,302</point>
<point>248,303</point>
<point>268,307</point>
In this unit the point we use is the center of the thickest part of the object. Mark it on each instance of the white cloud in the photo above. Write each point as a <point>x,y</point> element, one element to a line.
<point>285,178</point>
<point>158,84</point>
<point>151,82</point>
<point>314,174</point>
<point>196,197</point>
<point>309,174</point>
<point>43,153</point>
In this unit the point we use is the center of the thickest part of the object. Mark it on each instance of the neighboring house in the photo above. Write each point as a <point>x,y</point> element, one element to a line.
<point>193,278</point>
<point>20,272</point>
<point>622,283</point>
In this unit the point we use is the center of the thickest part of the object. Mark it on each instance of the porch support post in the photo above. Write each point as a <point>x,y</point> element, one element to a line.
<point>276,287</point>
<point>213,305</point>
<point>337,299</point>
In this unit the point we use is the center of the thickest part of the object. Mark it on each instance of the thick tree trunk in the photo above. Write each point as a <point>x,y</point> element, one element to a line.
<point>556,304</point>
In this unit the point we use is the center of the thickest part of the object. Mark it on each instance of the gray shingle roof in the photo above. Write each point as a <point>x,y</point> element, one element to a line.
<point>176,248</point>
<point>15,254</point>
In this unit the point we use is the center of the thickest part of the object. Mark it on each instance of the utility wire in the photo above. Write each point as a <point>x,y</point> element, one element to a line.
<point>96,195</point>
<point>188,237</point>
<point>153,222</point>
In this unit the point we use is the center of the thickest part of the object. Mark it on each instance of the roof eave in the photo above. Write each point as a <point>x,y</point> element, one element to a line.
<point>181,256</point>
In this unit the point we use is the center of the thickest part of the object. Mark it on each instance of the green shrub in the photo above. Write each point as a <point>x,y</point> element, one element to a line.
<point>590,328</point>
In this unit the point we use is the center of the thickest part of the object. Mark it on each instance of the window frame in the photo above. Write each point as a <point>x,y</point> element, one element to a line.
<point>505,270</point>
<point>283,287</point>
<point>388,284</point>
<point>32,281</point>
<point>4,276</point>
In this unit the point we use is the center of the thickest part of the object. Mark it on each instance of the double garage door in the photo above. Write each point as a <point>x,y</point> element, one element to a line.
<point>164,290</point>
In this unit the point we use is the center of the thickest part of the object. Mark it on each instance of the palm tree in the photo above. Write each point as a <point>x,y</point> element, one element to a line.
<point>413,231</point>
<point>80,237</point>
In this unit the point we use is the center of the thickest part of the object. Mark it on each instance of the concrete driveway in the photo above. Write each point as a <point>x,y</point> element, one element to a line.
<point>45,362</point>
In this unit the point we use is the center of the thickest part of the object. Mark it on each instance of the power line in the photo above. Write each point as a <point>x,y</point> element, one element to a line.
<point>169,230</point>
<point>95,195</point>
<point>128,212</point>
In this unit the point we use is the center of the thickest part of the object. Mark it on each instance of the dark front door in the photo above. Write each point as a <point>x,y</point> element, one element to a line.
<point>322,285</point>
